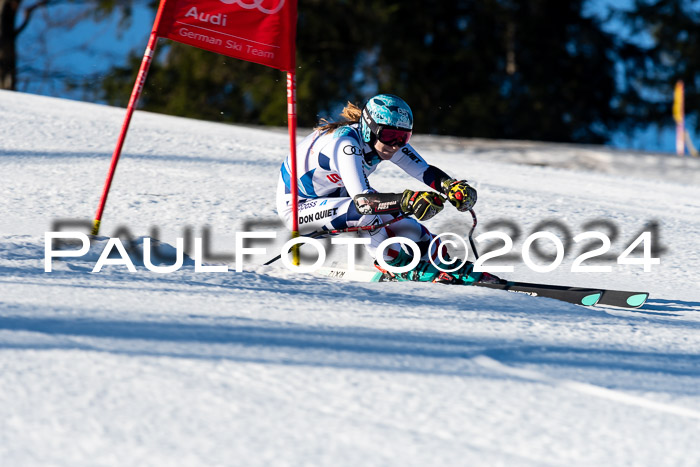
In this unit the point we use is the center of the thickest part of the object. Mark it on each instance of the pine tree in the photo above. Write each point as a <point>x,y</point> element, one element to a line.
<point>539,69</point>
<point>663,47</point>
<point>15,16</point>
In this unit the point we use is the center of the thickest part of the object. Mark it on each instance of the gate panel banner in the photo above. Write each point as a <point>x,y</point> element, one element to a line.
<point>259,31</point>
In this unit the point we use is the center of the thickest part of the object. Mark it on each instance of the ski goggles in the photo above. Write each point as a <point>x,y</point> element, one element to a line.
<point>393,136</point>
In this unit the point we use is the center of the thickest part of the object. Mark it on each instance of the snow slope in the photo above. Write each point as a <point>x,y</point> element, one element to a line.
<point>271,367</point>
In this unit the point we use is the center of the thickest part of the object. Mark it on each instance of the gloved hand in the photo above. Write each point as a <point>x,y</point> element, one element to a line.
<point>459,193</point>
<point>421,204</point>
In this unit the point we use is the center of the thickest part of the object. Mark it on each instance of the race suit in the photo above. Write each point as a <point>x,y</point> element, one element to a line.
<point>332,168</point>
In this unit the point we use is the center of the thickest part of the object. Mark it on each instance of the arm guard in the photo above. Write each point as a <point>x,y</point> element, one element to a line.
<point>434,178</point>
<point>378,203</point>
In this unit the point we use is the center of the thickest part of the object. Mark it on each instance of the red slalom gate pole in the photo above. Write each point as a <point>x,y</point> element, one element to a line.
<point>292,124</point>
<point>135,94</point>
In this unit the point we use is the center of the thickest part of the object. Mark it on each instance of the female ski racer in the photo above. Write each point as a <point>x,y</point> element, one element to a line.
<point>333,166</point>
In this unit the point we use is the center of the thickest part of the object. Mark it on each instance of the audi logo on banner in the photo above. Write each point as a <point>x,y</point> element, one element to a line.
<point>256,4</point>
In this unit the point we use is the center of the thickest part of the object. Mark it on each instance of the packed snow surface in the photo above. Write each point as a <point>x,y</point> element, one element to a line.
<point>267,366</point>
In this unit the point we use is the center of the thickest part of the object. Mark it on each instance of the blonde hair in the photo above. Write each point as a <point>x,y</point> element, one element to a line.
<point>351,114</point>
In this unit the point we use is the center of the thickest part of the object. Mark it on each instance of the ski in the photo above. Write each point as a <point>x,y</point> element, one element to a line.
<point>623,299</point>
<point>577,295</point>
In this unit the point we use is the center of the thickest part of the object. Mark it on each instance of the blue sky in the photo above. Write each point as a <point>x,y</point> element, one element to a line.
<point>88,47</point>
<point>92,48</point>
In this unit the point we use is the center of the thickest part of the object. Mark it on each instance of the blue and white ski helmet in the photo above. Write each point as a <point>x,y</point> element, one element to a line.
<point>384,110</point>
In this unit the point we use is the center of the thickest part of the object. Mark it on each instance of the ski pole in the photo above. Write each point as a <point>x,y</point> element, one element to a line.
<point>471,232</point>
<point>325,233</point>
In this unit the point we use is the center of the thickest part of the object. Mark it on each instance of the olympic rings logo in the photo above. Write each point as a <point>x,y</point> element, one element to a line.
<point>255,4</point>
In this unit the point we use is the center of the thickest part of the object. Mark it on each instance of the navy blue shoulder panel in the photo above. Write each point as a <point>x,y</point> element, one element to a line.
<point>324,161</point>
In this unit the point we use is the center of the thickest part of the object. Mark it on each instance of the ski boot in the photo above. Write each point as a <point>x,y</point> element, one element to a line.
<point>426,271</point>
<point>423,272</point>
<point>465,275</point>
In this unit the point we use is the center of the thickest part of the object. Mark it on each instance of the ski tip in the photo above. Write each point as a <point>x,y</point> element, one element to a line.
<point>592,299</point>
<point>637,300</point>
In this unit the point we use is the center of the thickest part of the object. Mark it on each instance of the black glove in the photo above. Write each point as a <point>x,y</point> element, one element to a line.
<point>459,193</point>
<point>422,204</point>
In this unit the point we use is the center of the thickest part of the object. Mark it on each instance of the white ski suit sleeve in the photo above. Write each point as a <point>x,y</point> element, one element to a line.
<point>413,164</point>
<point>348,158</point>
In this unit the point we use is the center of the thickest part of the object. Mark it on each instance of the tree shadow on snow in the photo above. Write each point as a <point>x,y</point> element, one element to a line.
<point>56,155</point>
<point>357,348</point>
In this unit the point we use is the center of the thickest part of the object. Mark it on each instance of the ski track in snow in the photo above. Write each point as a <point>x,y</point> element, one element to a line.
<point>271,367</point>
<point>584,388</point>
